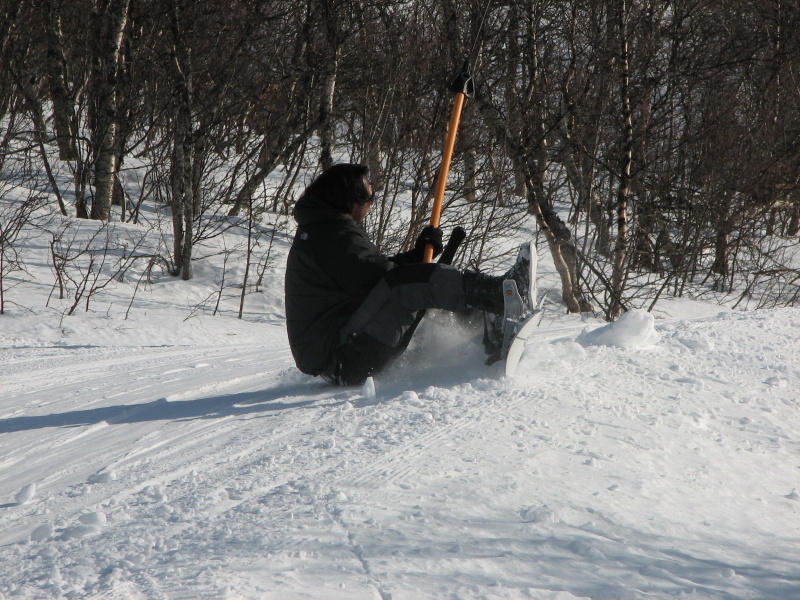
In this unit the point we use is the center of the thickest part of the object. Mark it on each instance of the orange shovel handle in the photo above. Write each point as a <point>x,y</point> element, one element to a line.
<point>447,156</point>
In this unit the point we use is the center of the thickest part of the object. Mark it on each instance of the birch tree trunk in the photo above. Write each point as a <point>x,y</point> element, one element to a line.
<point>183,198</point>
<point>620,250</point>
<point>177,184</point>
<point>63,109</point>
<point>112,17</point>
<point>375,164</point>
<point>327,124</point>
<point>66,113</point>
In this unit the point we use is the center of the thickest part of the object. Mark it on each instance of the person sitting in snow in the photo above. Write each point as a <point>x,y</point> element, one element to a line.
<point>348,305</point>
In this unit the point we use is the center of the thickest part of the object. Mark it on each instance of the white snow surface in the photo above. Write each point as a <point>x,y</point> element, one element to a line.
<point>176,458</point>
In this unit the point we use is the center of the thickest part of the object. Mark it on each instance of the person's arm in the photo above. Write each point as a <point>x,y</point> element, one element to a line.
<point>351,260</point>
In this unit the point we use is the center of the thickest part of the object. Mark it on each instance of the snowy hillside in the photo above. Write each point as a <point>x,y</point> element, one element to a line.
<point>178,455</point>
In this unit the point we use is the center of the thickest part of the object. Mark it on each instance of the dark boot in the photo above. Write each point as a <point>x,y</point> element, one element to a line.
<point>521,273</point>
<point>483,292</point>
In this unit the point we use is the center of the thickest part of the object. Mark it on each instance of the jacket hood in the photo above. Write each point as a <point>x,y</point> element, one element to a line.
<point>312,209</point>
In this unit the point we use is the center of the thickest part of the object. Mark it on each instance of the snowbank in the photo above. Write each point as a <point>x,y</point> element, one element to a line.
<point>634,329</point>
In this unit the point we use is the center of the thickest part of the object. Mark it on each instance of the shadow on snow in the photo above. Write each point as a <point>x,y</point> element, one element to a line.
<point>263,401</point>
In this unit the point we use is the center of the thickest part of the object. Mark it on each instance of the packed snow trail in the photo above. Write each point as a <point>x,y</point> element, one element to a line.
<point>667,467</point>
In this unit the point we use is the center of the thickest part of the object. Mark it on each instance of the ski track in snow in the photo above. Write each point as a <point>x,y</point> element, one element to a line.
<point>597,472</point>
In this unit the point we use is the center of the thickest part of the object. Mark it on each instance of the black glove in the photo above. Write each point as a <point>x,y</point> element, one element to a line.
<point>429,235</point>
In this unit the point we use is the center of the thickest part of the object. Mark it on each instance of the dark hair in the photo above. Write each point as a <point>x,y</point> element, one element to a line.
<point>341,186</point>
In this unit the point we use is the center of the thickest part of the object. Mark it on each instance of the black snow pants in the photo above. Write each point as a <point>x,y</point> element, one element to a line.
<point>372,336</point>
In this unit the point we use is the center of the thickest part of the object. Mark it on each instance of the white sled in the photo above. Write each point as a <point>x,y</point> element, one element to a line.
<point>517,346</point>
<point>519,318</point>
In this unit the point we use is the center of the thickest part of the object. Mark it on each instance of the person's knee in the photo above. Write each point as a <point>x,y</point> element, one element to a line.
<point>421,286</point>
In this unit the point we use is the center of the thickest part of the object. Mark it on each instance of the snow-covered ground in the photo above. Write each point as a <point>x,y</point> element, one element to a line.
<point>161,456</point>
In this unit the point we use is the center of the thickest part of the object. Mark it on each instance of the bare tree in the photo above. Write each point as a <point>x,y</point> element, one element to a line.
<point>621,246</point>
<point>15,219</point>
<point>654,142</point>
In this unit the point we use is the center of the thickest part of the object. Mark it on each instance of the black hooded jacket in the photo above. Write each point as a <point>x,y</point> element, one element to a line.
<point>331,268</point>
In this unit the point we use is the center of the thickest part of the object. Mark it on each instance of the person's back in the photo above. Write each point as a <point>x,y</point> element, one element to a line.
<point>331,268</point>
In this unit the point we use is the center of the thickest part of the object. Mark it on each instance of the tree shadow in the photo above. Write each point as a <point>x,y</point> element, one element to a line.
<point>262,401</point>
